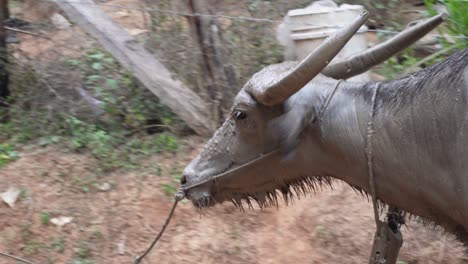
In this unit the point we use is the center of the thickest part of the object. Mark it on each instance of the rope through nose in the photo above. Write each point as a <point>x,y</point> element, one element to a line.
<point>180,194</point>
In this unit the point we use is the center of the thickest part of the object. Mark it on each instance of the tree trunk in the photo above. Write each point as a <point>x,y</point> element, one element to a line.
<point>4,77</point>
<point>220,81</point>
<point>5,9</point>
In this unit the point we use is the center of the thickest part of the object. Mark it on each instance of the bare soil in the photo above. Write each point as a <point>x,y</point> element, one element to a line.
<point>332,226</point>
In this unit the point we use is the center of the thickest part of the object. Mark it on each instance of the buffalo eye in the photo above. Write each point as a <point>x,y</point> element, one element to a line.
<point>240,115</point>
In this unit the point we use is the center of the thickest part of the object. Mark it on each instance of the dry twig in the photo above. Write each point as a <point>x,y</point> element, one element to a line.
<point>16,258</point>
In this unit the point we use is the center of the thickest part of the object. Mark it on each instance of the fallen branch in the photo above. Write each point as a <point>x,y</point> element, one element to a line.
<point>40,36</point>
<point>142,64</point>
<point>27,32</point>
<point>16,258</point>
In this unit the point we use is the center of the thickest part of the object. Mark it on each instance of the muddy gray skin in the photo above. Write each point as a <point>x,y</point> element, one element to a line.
<point>283,139</point>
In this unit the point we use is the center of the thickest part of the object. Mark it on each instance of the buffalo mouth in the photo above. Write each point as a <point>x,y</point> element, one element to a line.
<point>206,193</point>
<point>201,199</point>
<point>206,201</point>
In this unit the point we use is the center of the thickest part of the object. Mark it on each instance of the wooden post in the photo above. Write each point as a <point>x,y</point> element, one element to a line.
<point>220,82</point>
<point>5,10</point>
<point>388,240</point>
<point>4,76</point>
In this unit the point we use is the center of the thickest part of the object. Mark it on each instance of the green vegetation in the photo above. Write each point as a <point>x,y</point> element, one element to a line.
<point>99,109</point>
<point>45,218</point>
<point>83,254</point>
<point>32,247</point>
<point>26,231</point>
<point>7,154</point>
<point>83,184</point>
<point>24,193</point>
<point>84,250</point>
<point>58,245</point>
<point>453,33</point>
<point>386,14</point>
<point>170,188</point>
<point>456,26</point>
<point>165,143</point>
<point>397,66</point>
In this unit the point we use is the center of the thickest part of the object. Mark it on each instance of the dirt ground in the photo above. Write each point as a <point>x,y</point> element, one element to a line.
<point>332,226</point>
<point>114,226</point>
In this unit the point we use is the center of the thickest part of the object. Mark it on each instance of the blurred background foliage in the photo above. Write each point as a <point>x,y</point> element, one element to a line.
<point>90,103</point>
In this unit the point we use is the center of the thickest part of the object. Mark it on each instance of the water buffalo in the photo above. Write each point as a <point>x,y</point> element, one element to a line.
<point>295,126</point>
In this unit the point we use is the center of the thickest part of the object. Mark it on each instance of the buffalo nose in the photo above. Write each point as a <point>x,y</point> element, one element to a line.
<point>183,180</point>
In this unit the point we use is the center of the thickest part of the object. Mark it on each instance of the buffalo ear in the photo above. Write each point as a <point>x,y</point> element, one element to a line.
<point>287,129</point>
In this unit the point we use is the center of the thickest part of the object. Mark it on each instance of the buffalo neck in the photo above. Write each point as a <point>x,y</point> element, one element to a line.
<point>407,173</point>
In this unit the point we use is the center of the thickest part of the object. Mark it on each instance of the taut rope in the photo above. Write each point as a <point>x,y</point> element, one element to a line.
<point>178,197</point>
<point>327,102</point>
<point>16,258</point>
<point>387,238</point>
<point>370,166</point>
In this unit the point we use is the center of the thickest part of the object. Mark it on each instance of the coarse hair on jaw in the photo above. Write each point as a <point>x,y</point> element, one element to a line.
<point>301,187</point>
<point>289,190</point>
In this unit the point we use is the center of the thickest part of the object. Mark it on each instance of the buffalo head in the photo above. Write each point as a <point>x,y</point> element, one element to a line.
<point>249,155</point>
<point>242,160</point>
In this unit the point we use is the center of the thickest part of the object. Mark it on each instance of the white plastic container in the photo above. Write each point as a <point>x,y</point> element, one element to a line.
<point>306,42</point>
<point>307,28</point>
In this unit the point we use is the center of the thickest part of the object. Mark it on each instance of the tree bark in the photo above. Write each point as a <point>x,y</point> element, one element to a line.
<point>5,9</point>
<point>4,76</point>
<point>220,81</point>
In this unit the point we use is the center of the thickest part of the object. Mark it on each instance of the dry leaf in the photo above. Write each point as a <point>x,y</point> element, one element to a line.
<point>121,247</point>
<point>10,196</point>
<point>61,221</point>
<point>136,31</point>
<point>105,187</point>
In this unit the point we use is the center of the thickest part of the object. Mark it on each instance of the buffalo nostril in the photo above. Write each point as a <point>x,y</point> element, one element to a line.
<point>183,180</point>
